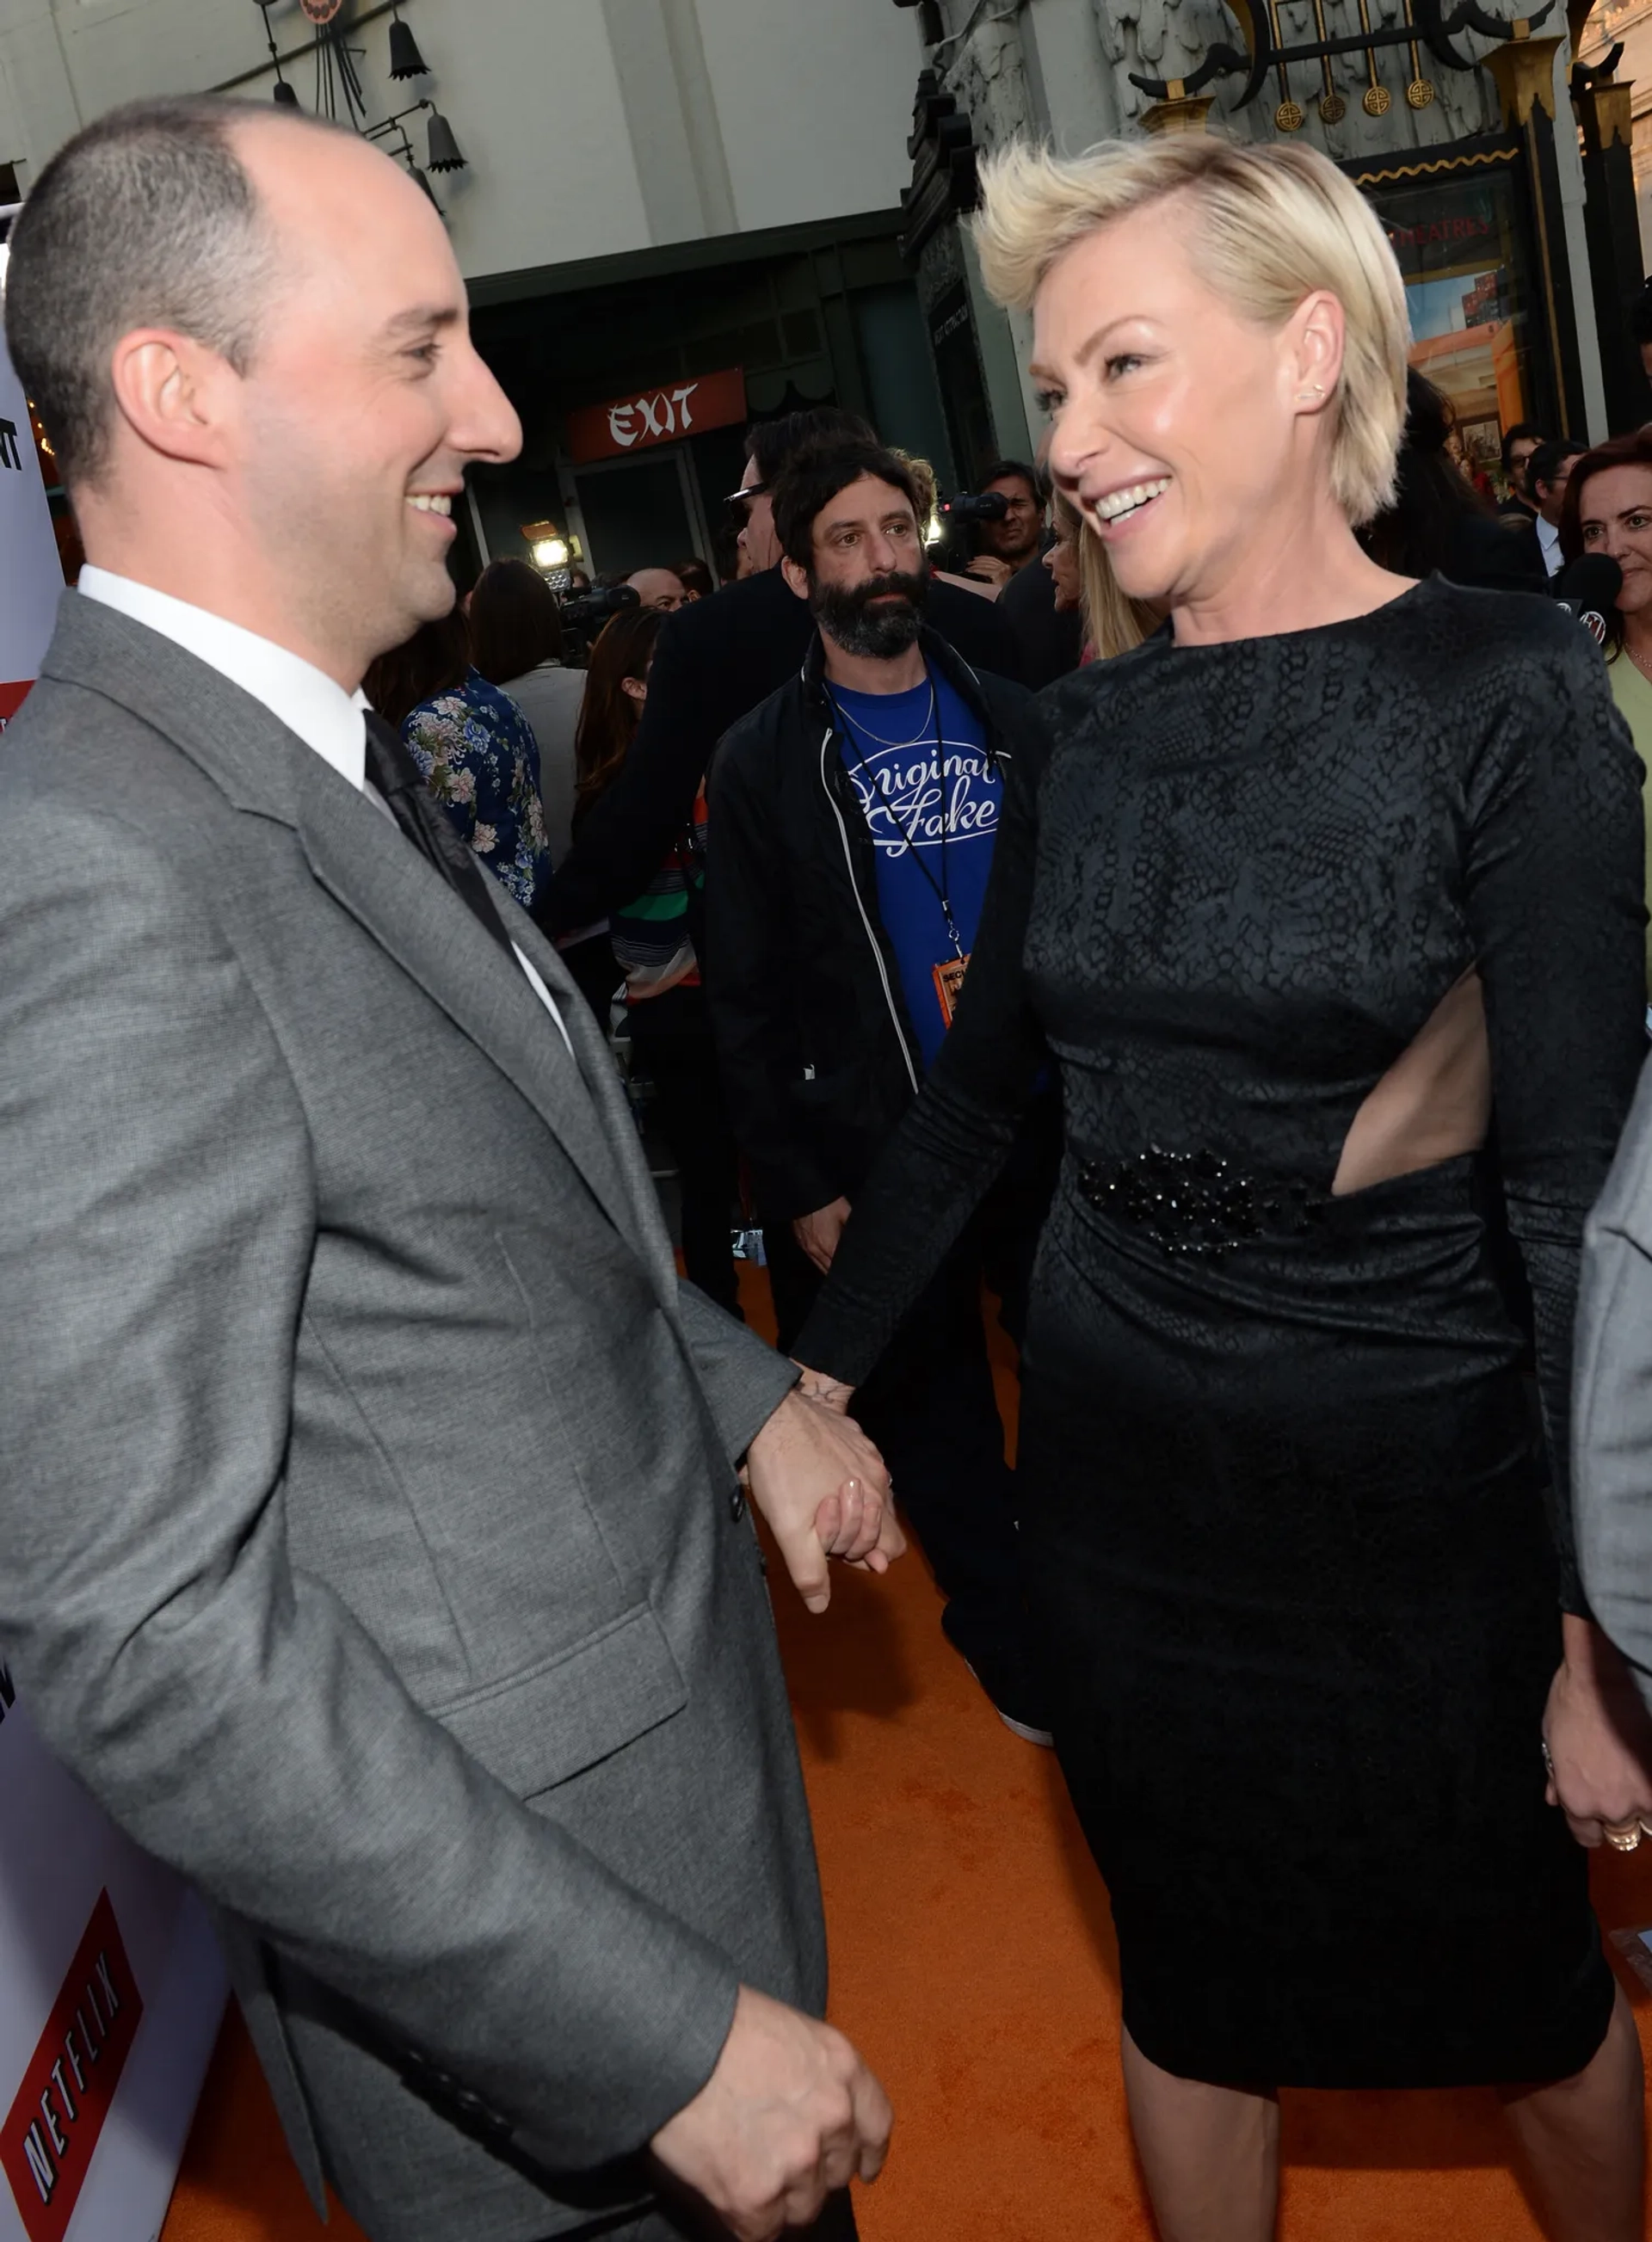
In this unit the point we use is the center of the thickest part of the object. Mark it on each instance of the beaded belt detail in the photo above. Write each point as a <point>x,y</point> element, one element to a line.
<point>1196,1203</point>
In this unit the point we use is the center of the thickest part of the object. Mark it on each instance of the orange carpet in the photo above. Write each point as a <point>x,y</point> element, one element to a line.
<point>973,1963</point>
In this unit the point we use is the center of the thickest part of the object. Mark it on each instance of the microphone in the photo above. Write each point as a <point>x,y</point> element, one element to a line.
<point>1587,589</point>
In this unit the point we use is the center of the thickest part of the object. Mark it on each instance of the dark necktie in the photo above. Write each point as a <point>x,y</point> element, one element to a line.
<point>398,777</point>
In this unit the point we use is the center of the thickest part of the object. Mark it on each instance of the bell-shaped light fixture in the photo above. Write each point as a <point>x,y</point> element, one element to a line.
<point>444,149</point>
<point>285,95</point>
<point>405,61</point>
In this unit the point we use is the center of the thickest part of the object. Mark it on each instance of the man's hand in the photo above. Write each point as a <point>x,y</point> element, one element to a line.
<point>1599,1739</point>
<point>989,569</point>
<point>818,1233</point>
<point>822,1486</point>
<point>789,2115</point>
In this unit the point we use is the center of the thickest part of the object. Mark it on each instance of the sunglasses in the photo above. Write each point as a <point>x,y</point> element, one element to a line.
<point>747,491</point>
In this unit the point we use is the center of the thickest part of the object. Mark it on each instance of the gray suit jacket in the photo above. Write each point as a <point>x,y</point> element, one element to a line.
<point>1612,1398</point>
<point>370,1542</point>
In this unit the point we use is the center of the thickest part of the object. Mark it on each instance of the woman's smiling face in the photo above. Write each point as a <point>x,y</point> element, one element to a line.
<point>1179,429</point>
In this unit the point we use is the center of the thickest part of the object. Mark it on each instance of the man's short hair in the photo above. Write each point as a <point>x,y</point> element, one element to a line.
<point>1545,463</point>
<point>771,443</point>
<point>812,478</point>
<point>694,575</point>
<point>1523,432</point>
<point>145,219</point>
<point>1001,468</point>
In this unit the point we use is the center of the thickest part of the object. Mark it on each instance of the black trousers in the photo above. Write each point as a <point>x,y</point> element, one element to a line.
<point>671,1038</point>
<point>930,1406</point>
<point>596,975</point>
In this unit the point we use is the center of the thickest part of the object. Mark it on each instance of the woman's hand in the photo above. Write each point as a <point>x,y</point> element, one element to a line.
<point>1598,1736</point>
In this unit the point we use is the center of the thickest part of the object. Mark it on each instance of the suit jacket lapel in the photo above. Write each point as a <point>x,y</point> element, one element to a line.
<point>364,863</point>
<point>601,1079</point>
<point>361,859</point>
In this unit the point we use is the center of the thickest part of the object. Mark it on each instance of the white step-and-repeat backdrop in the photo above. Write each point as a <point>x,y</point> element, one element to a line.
<point>110,1985</point>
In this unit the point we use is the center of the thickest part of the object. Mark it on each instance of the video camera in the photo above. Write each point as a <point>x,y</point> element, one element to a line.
<point>591,610</point>
<point>973,506</point>
<point>955,548</point>
<point>584,617</point>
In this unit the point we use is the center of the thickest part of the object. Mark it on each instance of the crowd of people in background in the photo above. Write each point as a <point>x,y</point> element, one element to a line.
<point>1050,582</point>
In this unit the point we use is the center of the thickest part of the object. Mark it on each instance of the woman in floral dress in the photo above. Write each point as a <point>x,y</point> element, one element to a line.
<point>475,747</point>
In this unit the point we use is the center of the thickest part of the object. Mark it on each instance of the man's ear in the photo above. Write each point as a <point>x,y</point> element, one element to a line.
<point>796,577</point>
<point>177,396</point>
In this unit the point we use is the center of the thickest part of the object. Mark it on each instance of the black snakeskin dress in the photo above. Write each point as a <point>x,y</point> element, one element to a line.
<point>1288,1538</point>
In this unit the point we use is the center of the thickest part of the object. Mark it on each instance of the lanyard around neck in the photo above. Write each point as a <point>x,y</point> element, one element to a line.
<point>939,888</point>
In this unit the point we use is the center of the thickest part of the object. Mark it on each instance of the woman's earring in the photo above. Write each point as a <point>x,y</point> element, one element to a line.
<point>1303,395</point>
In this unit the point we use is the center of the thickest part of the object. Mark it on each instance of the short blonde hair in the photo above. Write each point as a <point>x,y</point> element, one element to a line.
<point>1271,225</point>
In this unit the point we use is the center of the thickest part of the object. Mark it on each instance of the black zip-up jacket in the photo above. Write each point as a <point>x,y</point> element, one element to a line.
<point>818,1054</point>
<point>714,663</point>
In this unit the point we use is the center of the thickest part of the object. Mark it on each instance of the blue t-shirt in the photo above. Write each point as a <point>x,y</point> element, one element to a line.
<point>934,811</point>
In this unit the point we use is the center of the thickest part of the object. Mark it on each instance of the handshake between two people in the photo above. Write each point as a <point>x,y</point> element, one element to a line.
<point>823,1489</point>
<point>791,2114</point>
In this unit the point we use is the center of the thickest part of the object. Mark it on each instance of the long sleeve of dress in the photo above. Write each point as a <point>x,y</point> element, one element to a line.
<point>1553,900</point>
<point>957,1132</point>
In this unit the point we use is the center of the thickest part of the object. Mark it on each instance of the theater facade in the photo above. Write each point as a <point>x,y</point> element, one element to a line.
<point>1500,164</point>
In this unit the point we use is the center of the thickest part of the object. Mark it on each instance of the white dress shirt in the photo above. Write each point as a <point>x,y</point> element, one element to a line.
<point>305,698</point>
<point>1549,537</point>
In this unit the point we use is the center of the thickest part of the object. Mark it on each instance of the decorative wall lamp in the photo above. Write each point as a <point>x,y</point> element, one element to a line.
<point>341,96</point>
<point>405,61</point>
<point>441,148</point>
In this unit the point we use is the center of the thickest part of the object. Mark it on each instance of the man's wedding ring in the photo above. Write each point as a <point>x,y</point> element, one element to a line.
<point>1623,1836</point>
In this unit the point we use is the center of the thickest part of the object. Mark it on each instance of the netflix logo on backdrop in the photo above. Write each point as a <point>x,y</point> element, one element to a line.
<point>47,2140</point>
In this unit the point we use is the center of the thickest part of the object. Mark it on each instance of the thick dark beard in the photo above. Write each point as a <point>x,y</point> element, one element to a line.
<point>847,617</point>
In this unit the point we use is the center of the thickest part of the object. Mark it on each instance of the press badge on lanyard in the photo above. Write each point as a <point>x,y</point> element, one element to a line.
<point>948,975</point>
<point>948,983</point>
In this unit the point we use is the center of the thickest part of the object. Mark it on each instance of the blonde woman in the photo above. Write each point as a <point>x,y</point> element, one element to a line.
<point>1300,894</point>
<point>1083,578</point>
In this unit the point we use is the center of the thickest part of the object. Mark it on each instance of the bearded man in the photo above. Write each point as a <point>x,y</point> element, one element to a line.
<point>851,829</point>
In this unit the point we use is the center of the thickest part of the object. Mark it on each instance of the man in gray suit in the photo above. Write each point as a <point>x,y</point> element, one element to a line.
<point>1612,1478</point>
<point>371,1540</point>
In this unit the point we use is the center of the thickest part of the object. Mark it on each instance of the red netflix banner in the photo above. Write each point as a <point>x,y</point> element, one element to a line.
<point>49,2136</point>
<point>658,416</point>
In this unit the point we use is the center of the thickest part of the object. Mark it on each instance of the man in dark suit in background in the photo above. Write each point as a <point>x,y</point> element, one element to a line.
<point>715,662</point>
